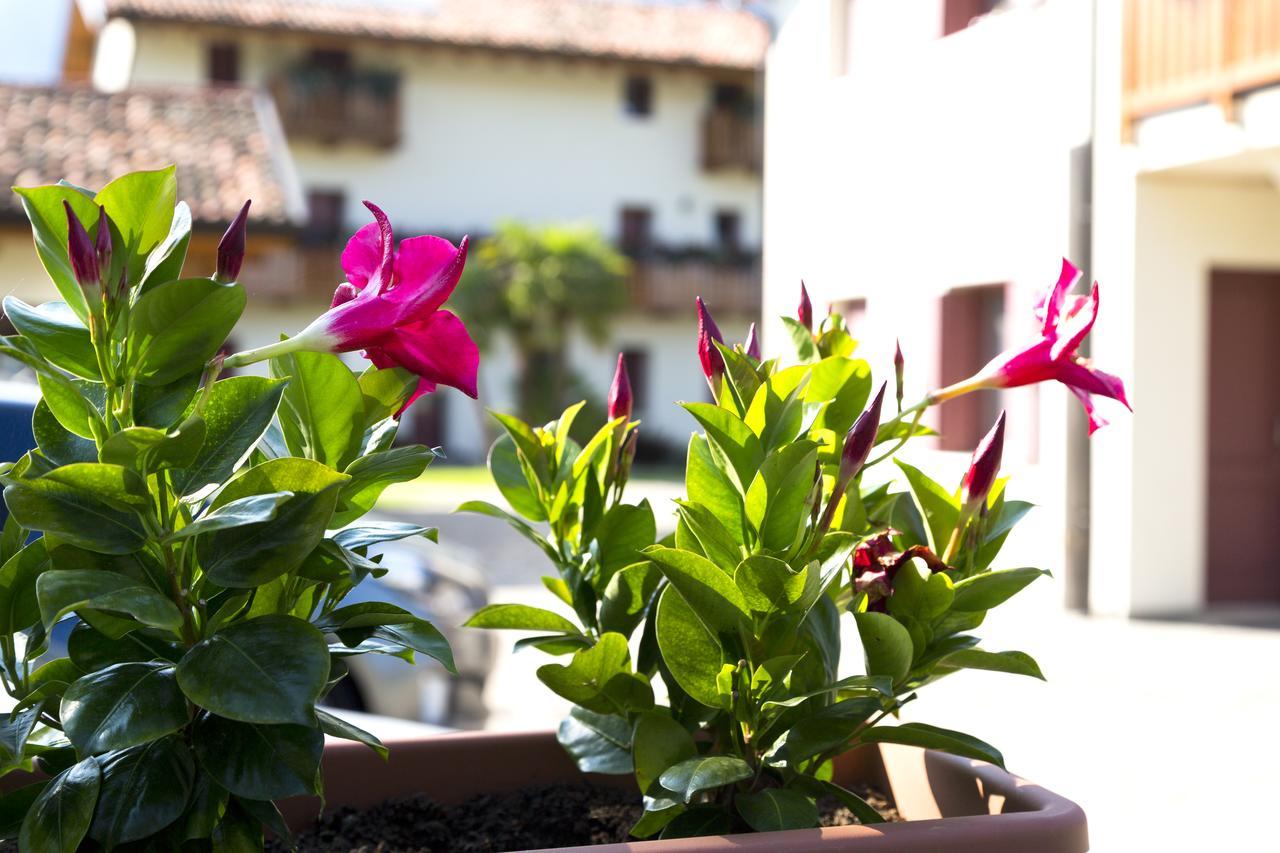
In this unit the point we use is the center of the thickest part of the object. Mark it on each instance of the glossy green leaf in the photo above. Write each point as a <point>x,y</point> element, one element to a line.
<point>238,412</point>
<point>144,789</point>
<point>322,413</point>
<point>141,205</point>
<point>768,584</point>
<point>941,508</point>
<point>801,338</point>
<point>886,645</point>
<point>846,383</point>
<point>57,334</point>
<point>271,669</point>
<point>709,590</point>
<point>521,526</point>
<point>695,775</point>
<point>932,737</point>
<point>62,813</point>
<point>122,706</point>
<point>658,744</point>
<point>90,649</point>
<point>598,743</point>
<point>14,806</point>
<point>371,474</point>
<point>253,509</point>
<point>828,729</point>
<point>776,809</point>
<point>711,487</point>
<point>520,617</point>
<point>920,593</point>
<point>711,537</point>
<point>19,608</point>
<point>388,627</point>
<point>777,499</point>
<point>1016,663</point>
<point>509,476</point>
<point>624,531</point>
<point>166,260</point>
<point>261,762</point>
<point>733,437</point>
<point>690,651</point>
<point>75,513</point>
<point>62,591</point>
<point>989,589</point>
<point>43,206</point>
<point>60,445</point>
<point>376,532</point>
<point>600,679</point>
<point>177,326</point>
<point>862,810</point>
<point>627,597</point>
<point>699,821</point>
<point>146,449</point>
<point>162,406</point>
<point>335,726</point>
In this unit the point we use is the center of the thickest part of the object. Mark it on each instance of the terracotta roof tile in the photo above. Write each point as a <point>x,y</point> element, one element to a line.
<point>222,141</point>
<point>699,34</point>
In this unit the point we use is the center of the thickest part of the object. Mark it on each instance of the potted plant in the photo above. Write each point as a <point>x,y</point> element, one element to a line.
<point>203,529</point>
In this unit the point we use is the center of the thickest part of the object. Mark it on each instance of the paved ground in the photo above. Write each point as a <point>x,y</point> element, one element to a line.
<point>1163,731</point>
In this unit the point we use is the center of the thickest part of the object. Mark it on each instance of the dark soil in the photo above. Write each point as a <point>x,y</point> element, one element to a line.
<point>553,816</point>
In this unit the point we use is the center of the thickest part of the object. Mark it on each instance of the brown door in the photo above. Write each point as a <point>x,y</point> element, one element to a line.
<point>1244,437</point>
<point>972,323</point>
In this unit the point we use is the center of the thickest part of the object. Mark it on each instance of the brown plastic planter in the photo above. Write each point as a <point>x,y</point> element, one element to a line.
<point>950,803</point>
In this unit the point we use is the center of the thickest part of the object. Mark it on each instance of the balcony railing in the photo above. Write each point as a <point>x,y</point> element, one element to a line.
<point>1184,52</point>
<point>329,106</point>
<point>730,140</point>
<point>669,287</point>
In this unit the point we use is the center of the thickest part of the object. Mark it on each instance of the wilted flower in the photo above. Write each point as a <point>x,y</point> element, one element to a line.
<point>620,392</point>
<point>752,346</point>
<point>805,311</point>
<point>1054,355</point>
<point>231,247</point>
<point>876,562</point>
<point>389,306</point>
<point>983,467</point>
<point>83,255</point>
<point>708,354</point>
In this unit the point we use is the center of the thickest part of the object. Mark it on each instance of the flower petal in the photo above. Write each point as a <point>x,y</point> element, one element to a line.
<point>426,271</point>
<point>1049,308</point>
<point>1083,376</point>
<point>438,349</point>
<point>1076,326</point>
<point>362,255</point>
<point>1096,421</point>
<point>345,292</point>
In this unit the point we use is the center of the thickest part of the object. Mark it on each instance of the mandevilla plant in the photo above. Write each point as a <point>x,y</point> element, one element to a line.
<point>781,534</point>
<point>201,532</point>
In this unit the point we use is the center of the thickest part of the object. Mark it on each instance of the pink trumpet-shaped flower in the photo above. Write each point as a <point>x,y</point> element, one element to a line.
<point>620,400</point>
<point>983,467</point>
<point>804,313</point>
<point>1065,325</point>
<point>752,346</point>
<point>389,306</point>
<point>708,336</point>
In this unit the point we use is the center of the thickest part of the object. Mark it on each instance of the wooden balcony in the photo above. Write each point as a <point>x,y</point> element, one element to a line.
<point>331,107</point>
<point>730,140</point>
<point>669,287</point>
<point>1184,52</point>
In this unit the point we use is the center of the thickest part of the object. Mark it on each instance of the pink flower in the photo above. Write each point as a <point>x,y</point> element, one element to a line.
<point>620,392</point>
<point>1065,324</point>
<point>804,313</point>
<point>389,306</point>
<point>708,336</point>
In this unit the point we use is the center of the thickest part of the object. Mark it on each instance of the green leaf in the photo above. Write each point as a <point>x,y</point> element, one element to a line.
<point>253,509</point>
<point>14,807</point>
<point>877,684</point>
<point>238,413</point>
<point>90,649</point>
<point>920,593</point>
<point>659,743</point>
<point>527,443</point>
<point>520,617</point>
<point>598,743</point>
<point>147,450</point>
<point>885,644</point>
<point>371,474</point>
<point>862,810</point>
<point>828,729</point>
<point>509,476</point>
<point>801,338</point>
<point>323,409</point>
<point>689,649</point>
<point>697,822</point>
<point>983,592</point>
<point>385,391</point>
<point>626,599</point>
<point>144,789</point>
<point>521,526</point>
<point>768,584</point>
<point>623,533</point>
<point>708,589</point>
<point>165,261</point>
<point>600,678</point>
<point>337,727</point>
<point>162,406</point>
<point>253,554</point>
<point>376,532</point>
<point>846,383</point>
<point>19,608</point>
<point>390,627</point>
<point>176,327</point>
<point>122,706</point>
<point>1017,663</point>
<point>62,813</point>
<point>271,669</point>
<point>239,831</point>
<point>64,590</point>
<point>733,437</point>
<point>60,445</point>
<point>695,775</point>
<point>932,737</point>
<point>43,206</point>
<point>72,401</point>
<point>713,540</point>
<point>712,488</point>
<point>777,499</point>
<point>776,809</point>
<point>141,204</point>
<point>657,814</point>
<point>259,762</point>
<point>941,508</point>
<point>57,334</point>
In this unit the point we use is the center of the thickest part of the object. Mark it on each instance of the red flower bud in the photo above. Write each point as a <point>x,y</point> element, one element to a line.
<point>805,312</point>
<point>231,247</point>
<point>752,346</point>
<point>620,392</point>
<point>859,441</point>
<point>708,336</point>
<point>102,243</point>
<point>84,258</point>
<point>984,467</point>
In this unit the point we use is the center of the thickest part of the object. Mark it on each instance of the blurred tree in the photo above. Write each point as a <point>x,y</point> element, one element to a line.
<point>535,284</point>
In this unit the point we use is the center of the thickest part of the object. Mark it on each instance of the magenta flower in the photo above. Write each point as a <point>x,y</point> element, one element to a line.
<point>389,306</point>
<point>1065,325</point>
<point>752,346</point>
<point>804,313</point>
<point>708,336</point>
<point>620,392</point>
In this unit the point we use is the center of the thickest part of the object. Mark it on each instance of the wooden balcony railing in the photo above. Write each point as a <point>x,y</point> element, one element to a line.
<point>328,106</point>
<point>1183,52</point>
<point>730,140</point>
<point>669,287</point>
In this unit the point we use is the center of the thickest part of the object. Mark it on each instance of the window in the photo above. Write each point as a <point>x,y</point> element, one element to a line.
<point>224,63</point>
<point>638,96</point>
<point>854,312</point>
<point>333,61</point>
<point>972,333</point>
<point>638,371</point>
<point>324,217</point>
<point>960,14</point>
<point>729,231</point>
<point>636,230</point>
<point>729,96</point>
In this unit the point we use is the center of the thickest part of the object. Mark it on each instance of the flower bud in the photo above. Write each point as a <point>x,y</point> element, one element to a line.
<point>752,346</point>
<point>231,247</point>
<point>83,255</point>
<point>102,243</point>
<point>859,441</point>
<point>984,467</point>
<point>899,365</point>
<point>708,336</point>
<point>805,312</point>
<point>620,392</point>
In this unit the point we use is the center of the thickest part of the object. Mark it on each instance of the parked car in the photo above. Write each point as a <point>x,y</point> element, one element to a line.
<point>421,578</point>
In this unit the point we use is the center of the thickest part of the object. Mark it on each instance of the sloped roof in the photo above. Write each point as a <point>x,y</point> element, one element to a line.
<point>225,141</point>
<point>702,34</point>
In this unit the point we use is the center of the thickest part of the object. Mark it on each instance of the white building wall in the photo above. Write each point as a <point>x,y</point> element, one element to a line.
<point>489,137</point>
